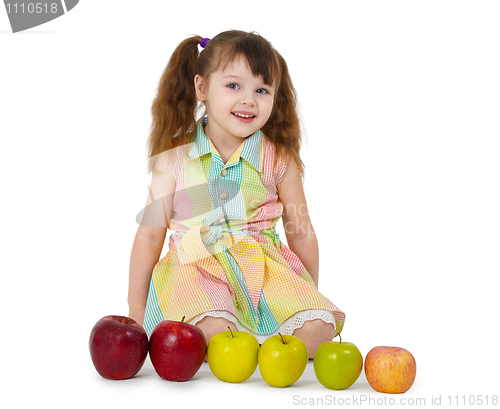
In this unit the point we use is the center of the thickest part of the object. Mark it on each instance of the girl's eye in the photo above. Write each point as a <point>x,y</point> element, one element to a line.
<point>233,86</point>
<point>261,91</point>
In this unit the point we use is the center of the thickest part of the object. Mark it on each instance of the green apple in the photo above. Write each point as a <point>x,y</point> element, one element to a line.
<point>282,360</point>
<point>232,355</point>
<point>337,365</point>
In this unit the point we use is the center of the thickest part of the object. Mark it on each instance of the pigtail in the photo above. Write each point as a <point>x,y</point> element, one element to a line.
<point>283,126</point>
<point>175,106</point>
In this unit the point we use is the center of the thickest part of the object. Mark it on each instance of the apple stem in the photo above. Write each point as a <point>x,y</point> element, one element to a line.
<point>340,339</point>
<point>283,339</point>
<point>183,318</point>
<point>229,328</point>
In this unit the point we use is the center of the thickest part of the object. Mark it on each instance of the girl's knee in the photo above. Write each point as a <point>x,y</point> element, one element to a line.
<point>212,325</point>
<point>314,333</point>
<point>317,329</point>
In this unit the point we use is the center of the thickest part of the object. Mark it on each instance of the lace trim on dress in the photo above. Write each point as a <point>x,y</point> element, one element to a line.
<point>290,325</point>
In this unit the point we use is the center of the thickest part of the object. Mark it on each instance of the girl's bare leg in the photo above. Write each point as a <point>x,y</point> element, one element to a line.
<point>314,333</point>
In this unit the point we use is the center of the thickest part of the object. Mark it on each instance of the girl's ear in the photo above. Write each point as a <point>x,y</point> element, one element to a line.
<point>200,87</point>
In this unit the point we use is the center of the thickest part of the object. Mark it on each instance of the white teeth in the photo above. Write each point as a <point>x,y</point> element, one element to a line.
<point>243,115</point>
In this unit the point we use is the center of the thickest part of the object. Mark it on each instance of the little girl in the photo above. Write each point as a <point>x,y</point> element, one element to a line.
<point>221,183</point>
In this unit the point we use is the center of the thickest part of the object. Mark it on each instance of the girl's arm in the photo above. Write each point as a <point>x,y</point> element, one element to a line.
<point>146,251</point>
<point>150,237</point>
<point>299,231</point>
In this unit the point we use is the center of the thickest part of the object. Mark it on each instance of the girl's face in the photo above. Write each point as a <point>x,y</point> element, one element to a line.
<point>237,102</point>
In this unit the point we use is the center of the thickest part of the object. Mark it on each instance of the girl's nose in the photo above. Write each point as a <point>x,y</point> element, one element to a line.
<point>248,99</point>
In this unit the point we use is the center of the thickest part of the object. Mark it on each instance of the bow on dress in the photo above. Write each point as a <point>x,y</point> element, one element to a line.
<point>203,247</point>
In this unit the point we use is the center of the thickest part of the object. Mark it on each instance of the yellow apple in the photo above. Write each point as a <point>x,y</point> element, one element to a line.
<point>232,355</point>
<point>282,360</point>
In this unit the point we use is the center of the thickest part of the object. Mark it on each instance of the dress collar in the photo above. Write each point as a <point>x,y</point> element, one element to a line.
<point>248,150</point>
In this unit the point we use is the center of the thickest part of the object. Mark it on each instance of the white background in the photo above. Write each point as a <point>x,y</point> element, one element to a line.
<point>401,105</point>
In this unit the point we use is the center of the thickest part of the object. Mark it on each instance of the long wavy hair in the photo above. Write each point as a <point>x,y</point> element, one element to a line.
<point>176,109</point>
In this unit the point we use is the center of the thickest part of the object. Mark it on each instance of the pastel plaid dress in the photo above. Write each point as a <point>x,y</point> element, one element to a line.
<point>225,257</point>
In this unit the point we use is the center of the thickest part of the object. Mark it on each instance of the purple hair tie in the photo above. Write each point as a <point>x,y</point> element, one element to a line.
<point>204,42</point>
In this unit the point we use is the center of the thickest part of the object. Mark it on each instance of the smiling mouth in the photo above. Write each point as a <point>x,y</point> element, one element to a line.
<point>243,115</point>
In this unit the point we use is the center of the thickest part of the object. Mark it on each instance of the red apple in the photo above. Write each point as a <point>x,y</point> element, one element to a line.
<point>177,350</point>
<point>390,369</point>
<point>118,347</point>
